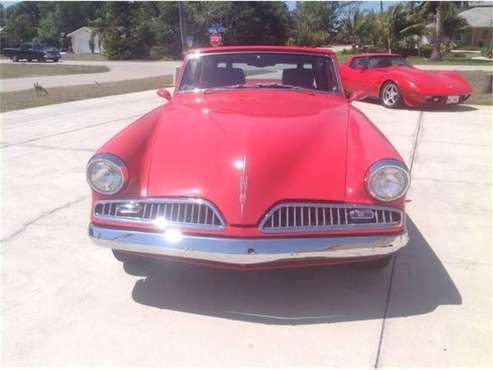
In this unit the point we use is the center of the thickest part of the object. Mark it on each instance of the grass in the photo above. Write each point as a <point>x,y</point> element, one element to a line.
<point>17,70</point>
<point>22,99</point>
<point>449,59</point>
<point>84,56</point>
<point>481,82</point>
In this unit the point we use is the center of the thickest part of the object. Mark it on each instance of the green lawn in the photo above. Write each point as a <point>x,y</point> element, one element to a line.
<point>84,56</point>
<point>17,70</point>
<point>450,60</point>
<point>14,100</point>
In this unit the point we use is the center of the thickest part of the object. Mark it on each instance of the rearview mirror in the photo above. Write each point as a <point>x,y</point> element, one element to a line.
<point>357,95</point>
<point>163,93</point>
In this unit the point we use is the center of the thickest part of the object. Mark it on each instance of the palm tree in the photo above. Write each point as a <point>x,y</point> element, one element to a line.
<point>434,10</point>
<point>400,22</point>
<point>355,26</point>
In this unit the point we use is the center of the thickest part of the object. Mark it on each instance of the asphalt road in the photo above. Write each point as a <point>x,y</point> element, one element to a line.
<point>121,70</point>
<point>67,302</point>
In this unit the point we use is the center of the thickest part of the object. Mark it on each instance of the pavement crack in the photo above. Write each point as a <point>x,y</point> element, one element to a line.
<point>386,310</point>
<point>51,147</point>
<point>71,131</point>
<point>419,131</point>
<point>39,217</point>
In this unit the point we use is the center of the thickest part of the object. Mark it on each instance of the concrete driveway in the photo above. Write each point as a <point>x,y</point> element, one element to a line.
<point>119,71</point>
<point>67,302</point>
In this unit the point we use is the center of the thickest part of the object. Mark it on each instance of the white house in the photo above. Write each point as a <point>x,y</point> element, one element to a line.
<point>80,40</point>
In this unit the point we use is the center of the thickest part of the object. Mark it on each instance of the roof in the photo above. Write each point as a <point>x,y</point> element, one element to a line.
<point>366,55</point>
<point>296,49</point>
<point>84,28</point>
<point>479,16</point>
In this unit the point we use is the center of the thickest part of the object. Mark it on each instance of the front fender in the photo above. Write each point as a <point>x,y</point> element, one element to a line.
<point>133,146</point>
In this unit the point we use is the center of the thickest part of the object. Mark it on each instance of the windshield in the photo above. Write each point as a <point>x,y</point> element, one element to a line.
<point>388,61</point>
<point>260,70</point>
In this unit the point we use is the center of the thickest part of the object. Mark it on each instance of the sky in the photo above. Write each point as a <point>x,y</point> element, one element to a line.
<point>365,5</point>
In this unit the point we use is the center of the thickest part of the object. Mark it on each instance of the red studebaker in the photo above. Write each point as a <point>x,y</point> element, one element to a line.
<point>257,161</point>
<point>390,78</point>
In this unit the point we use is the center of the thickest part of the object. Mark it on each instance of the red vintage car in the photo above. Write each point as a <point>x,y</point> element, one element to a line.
<point>390,78</point>
<point>257,161</point>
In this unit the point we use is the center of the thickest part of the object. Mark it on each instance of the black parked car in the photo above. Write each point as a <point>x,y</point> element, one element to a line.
<point>33,51</point>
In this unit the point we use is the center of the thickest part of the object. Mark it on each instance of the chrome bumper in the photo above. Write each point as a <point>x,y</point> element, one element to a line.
<point>247,251</point>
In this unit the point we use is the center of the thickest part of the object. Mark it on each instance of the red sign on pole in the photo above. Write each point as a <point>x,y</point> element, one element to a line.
<point>216,39</point>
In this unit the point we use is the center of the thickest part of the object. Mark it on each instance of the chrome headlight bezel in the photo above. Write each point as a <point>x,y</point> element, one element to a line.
<point>112,162</point>
<point>380,166</point>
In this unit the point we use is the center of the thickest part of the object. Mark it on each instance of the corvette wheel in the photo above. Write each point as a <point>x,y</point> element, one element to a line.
<point>390,95</point>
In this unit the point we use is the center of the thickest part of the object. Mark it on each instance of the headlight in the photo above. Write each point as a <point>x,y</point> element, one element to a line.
<point>106,173</point>
<point>387,180</point>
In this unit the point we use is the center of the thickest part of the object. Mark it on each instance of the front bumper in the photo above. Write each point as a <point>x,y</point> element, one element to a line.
<point>247,251</point>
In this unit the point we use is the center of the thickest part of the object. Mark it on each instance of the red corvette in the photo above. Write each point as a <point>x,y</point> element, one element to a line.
<point>390,78</point>
<point>257,161</point>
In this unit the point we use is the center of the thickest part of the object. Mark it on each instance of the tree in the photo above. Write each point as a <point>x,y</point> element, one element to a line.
<point>355,25</point>
<point>50,27</point>
<point>317,22</point>
<point>434,10</point>
<point>401,25</point>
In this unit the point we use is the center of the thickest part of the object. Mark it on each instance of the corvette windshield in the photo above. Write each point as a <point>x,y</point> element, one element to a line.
<point>260,70</point>
<point>388,61</point>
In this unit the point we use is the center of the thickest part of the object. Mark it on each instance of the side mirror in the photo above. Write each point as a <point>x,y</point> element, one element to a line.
<point>163,93</point>
<point>360,67</point>
<point>357,95</point>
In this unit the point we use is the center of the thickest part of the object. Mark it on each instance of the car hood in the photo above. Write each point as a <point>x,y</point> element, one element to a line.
<point>245,150</point>
<point>434,82</point>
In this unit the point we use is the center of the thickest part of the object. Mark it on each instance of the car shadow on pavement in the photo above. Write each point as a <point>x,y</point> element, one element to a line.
<point>450,108</point>
<point>303,296</point>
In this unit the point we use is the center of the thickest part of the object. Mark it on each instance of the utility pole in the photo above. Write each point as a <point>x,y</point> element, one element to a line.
<point>183,25</point>
<point>381,7</point>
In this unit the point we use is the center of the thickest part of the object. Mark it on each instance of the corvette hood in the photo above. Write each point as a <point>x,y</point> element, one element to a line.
<point>434,82</point>
<point>245,150</point>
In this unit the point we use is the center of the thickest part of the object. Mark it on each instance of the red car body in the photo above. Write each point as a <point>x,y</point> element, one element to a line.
<point>418,88</point>
<point>244,152</point>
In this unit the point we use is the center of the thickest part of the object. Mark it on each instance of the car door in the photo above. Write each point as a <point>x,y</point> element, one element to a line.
<point>24,51</point>
<point>377,71</point>
<point>355,74</point>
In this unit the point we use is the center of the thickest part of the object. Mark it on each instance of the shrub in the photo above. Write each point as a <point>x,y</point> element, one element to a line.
<point>487,51</point>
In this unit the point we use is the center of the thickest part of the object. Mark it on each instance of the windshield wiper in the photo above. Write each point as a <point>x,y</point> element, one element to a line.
<point>284,86</point>
<point>219,88</point>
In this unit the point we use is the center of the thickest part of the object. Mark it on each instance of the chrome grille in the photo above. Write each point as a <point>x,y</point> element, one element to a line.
<point>292,217</point>
<point>185,212</point>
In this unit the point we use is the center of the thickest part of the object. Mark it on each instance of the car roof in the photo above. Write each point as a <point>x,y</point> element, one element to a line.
<point>275,48</point>
<point>365,55</point>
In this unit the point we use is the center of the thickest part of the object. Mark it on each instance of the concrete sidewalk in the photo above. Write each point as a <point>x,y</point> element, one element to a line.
<point>119,71</point>
<point>67,302</point>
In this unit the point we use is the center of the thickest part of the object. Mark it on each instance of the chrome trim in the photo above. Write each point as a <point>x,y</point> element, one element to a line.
<point>166,201</point>
<point>246,251</point>
<point>338,226</point>
<point>389,163</point>
<point>115,161</point>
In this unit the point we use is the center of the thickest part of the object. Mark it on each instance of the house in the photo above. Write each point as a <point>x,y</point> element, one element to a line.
<point>479,16</point>
<point>81,38</point>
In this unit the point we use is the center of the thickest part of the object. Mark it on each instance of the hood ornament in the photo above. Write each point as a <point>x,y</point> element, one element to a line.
<point>243,185</point>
